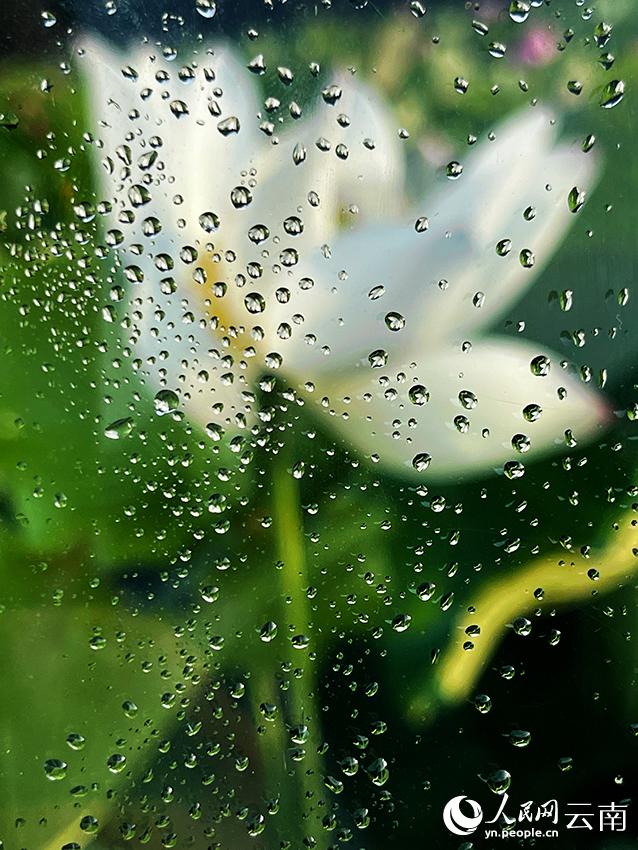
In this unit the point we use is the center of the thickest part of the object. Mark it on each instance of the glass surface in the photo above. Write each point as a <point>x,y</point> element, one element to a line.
<point>318,468</point>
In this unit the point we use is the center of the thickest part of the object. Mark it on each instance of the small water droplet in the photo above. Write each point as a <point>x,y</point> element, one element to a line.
<point>503,247</point>
<point>527,258</point>
<point>453,170</point>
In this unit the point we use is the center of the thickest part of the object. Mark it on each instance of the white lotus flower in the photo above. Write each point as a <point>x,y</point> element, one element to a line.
<point>385,320</point>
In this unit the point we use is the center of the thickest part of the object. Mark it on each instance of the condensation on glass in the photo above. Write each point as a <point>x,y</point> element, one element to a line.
<point>318,488</point>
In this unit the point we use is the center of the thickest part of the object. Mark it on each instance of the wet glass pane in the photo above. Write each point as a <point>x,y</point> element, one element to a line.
<point>318,468</point>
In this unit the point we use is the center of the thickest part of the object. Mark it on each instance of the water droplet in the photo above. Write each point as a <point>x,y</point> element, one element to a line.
<point>89,824</point>
<point>461,85</point>
<point>521,443</point>
<point>522,626</point>
<point>574,86</point>
<point>166,401</point>
<point>588,143</point>
<point>179,108</point>
<point>446,601</point>
<point>606,60</point>
<point>503,247</point>
<point>421,224</point>
<point>334,785</point>
<point>468,399</point>
<point>540,365</point>
<point>48,19</point>
<point>229,125</point>
<point>289,257</point>
<point>565,763</point>
<point>129,708</point>
<point>401,622</point>
<point>268,710</point>
<point>75,741</point>
<point>210,593</point>
<point>462,424</point>
<point>532,412</point>
<point>55,768</point>
<point>116,763</point>
<point>602,33</point>
<point>206,8</point>
<point>527,258</point>
<point>421,461</point>
<point>257,65</point>
<point>378,772</point>
<point>418,394</point>
<point>613,93</point>
<point>255,303</point>
<point>480,28</point>
<point>497,50</point>
<point>240,197</point>
<point>519,11</point>
<point>483,703</point>
<point>268,632</point>
<point>293,225</point>
<point>425,591</point>
<point>298,154</point>
<point>300,642</point>
<point>376,292</point>
<point>378,358</point>
<point>394,321</point>
<point>119,429</point>
<point>138,195</point>
<point>97,642</point>
<point>453,170</point>
<point>514,469</point>
<point>498,781</point>
<point>520,738</point>
<point>331,94</point>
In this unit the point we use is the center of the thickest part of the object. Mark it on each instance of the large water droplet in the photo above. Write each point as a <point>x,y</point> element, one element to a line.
<point>394,321</point>
<point>206,8</point>
<point>613,93</point>
<point>119,429</point>
<point>55,768</point>
<point>166,401</point>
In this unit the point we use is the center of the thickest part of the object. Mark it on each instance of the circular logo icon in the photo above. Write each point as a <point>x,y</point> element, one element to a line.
<point>458,822</point>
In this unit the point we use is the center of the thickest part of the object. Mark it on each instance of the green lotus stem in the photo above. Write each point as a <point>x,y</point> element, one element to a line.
<point>565,578</point>
<point>300,699</point>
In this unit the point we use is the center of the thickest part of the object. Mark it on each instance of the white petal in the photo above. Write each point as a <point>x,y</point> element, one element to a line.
<point>200,164</point>
<point>432,278</point>
<point>370,178</point>
<point>498,373</point>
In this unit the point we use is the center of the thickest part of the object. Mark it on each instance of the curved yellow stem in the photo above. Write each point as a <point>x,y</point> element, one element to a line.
<point>564,581</point>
